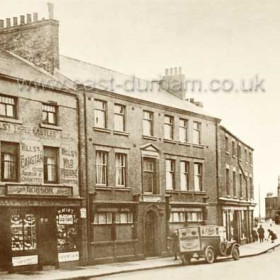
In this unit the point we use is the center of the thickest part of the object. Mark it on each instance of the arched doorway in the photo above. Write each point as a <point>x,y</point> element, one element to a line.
<point>150,234</point>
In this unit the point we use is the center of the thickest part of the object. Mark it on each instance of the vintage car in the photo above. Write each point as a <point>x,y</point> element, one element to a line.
<point>205,242</point>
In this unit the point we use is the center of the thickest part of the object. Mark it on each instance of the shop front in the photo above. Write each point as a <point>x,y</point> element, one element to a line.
<point>113,231</point>
<point>238,222</point>
<point>37,233</point>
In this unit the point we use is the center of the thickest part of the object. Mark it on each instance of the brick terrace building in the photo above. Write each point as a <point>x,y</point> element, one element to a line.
<point>235,187</point>
<point>39,191</point>
<point>272,205</point>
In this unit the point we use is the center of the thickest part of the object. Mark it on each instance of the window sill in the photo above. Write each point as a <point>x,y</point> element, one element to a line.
<point>184,144</point>
<point>10,120</point>
<point>200,192</point>
<point>121,133</point>
<point>100,129</point>
<point>233,156</point>
<point>172,191</point>
<point>103,188</point>
<point>149,137</point>
<point>198,146</point>
<point>227,152</point>
<point>122,189</point>
<point>170,141</point>
<point>49,126</point>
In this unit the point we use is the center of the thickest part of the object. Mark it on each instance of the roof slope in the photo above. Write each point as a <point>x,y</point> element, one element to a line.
<point>105,79</point>
<point>18,68</point>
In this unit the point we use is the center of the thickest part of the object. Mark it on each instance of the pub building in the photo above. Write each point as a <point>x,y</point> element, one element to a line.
<point>39,196</point>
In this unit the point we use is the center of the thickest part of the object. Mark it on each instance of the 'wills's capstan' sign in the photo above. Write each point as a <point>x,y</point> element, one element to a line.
<point>38,190</point>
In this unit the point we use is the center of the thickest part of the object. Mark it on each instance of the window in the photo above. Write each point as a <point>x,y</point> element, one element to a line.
<point>7,106</point>
<point>100,113</point>
<point>246,187</point>
<point>23,231</point>
<point>234,182</point>
<point>251,188</point>
<point>182,217</point>
<point>101,168</point>
<point>227,182</point>
<point>226,143</point>
<point>120,170</point>
<point>233,148</point>
<point>113,225</point>
<point>148,123</point>
<point>119,117</point>
<point>50,165</point>
<point>239,151</point>
<point>246,155</point>
<point>250,158</point>
<point>149,179</point>
<point>168,127</point>
<point>198,177</point>
<point>170,174</point>
<point>197,133</point>
<point>240,185</point>
<point>49,114</point>
<point>9,161</point>
<point>183,130</point>
<point>184,172</point>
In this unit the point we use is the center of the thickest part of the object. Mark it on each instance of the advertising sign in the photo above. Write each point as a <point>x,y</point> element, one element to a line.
<point>189,239</point>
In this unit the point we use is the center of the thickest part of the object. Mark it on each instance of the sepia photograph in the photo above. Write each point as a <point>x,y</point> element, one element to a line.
<point>139,139</point>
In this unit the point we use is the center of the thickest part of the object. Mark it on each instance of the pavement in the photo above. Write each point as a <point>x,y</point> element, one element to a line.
<point>85,272</point>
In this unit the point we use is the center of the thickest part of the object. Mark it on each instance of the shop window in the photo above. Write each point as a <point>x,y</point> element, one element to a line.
<point>23,232</point>
<point>189,216</point>
<point>100,113</point>
<point>113,226</point>
<point>67,229</point>
<point>198,177</point>
<point>119,117</point>
<point>121,170</point>
<point>184,175</point>
<point>9,161</point>
<point>49,114</point>
<point>101,168</point>
<point>7,106</point>
<point>50,165</point>
<point>149,175</point>
<point>148,123</point>
<point>183,130</point>
<point>170,174</point>
<point>197,133</point>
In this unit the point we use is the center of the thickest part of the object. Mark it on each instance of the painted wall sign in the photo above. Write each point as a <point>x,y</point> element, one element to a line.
<point>25,260</point>
<point>68,256</point>
<point>69,165</point>
<point>38,190</point>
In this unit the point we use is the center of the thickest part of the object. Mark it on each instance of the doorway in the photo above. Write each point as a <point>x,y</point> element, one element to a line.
<point>47,238</point>
<point>150,234</point>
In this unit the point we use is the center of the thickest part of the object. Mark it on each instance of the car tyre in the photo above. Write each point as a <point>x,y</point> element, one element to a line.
<point>235,253</point>
<point>209,254</point>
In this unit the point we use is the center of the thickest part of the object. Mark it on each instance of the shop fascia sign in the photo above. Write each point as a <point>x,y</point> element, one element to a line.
<point>38,190</point>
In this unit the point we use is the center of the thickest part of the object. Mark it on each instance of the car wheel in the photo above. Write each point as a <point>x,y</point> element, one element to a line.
<point>235,253</point>
<point>209,255</point>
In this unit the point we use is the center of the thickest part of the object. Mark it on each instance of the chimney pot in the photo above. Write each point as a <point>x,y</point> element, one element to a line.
<point>192,100</point>
<point>22,19</point>
<point>8,22</point>
<point>51,10</point>
<point>180,70</point>
<point>1,23</point>
<point>15,21</point>
<point>171,71</point>
<point>28,18</point>
<point>166,71</point>
<point>35,17</point>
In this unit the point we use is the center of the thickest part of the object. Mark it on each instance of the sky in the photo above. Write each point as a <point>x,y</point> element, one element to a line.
<point>211,40</point>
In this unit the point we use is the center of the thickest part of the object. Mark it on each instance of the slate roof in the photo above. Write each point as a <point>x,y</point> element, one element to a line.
<point>85,73</point>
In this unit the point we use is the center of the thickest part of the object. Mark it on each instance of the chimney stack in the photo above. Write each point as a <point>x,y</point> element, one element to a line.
<point>174,82</point>
<point>41,34</point>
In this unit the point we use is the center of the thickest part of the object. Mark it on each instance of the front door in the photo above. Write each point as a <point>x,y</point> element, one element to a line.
<point>47,238</point>
<point>150,234</point>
